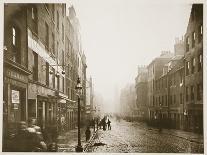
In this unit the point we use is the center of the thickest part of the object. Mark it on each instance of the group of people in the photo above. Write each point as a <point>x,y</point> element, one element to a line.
<point>105,124</point>
<point>29,138</point>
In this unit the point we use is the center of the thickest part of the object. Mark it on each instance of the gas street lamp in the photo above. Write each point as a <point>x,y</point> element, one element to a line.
<point>78,88</point>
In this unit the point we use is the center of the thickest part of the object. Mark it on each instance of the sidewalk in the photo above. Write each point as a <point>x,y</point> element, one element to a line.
<point>193,137</point>
<point>68,141</point>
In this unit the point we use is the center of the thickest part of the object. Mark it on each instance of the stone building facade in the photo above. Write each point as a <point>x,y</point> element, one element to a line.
<point>193,60</point>
<point>155,70</point>
<point>43,59</point>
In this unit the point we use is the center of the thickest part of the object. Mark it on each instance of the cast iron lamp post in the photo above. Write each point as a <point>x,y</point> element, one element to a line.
<point>78,87</point>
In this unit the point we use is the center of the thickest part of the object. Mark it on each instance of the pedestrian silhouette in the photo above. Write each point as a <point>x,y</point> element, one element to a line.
<point>88,133</point>
<point>109,124</point>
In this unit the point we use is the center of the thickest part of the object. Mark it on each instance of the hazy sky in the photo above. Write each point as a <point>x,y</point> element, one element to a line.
<point>119,35</point>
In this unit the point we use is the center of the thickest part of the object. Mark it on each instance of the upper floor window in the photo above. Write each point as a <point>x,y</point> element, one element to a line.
<point>35,66</point>
<point>186,92</point>
<point>187,68</point>
<point>200,62</point>
<point>63,32</point>
<point>53,11</point>
<point>57,20</point>
<point>63,10</point>
<point>193,65</point>
<point>16,41</point>
<point>34,13</point>
<point>47,35</point>
<point>193,39</point>
<point>199,91</point>
<point>187,44</point>
<point>192,93</point>
<point>53,43</point>
<point>200,33</point>
<point>14,35</point>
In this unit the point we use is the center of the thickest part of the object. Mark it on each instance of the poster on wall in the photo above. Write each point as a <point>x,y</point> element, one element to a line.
<point>15,96</point>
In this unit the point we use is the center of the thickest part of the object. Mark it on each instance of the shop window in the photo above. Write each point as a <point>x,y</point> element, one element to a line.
<point>16,42</point>
<point>193,39</point>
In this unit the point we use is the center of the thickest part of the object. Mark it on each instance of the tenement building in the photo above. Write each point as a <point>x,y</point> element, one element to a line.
<point>43,59</point>
<point>193,108</point>
<point>155,70</point>
<point>141,112</point>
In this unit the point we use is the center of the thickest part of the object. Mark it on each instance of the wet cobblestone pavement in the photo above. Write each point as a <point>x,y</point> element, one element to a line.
<point>137,137</point>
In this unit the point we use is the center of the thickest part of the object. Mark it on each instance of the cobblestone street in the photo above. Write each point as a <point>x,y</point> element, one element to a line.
<point>137,137</point>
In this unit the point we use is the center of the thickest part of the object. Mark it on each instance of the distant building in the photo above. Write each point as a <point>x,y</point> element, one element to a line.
<point>141,109</point>
<point>128,101</point>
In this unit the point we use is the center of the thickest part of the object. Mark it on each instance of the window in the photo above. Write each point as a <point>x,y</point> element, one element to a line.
<point>34,13</point>
<point>187,67</point>
<point>193,65</point>
<point>46,36</point>
<point>192,93</point>
<point>186,92</point>
<point>57,20</point>
<point>57,50</point>
<point>200,62</point>
<point>47,73</point>
<point>53,77</point>
<point>174,99</point>
<point>187,44</point>
<point>200,33</point>
<point>63,82</point>
<point>181,98</point>
<point>14,36</point>
<point>199,91</point>
<point>35,66</point>
<point>63,10</point>
<point>16,45</point>
<point>63,59</point>
<point>63,33</point>
<point>53,43</point>
<point>53,11</point>
<point>193,39</point>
